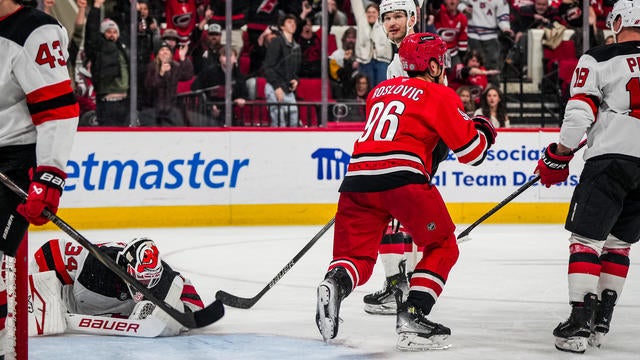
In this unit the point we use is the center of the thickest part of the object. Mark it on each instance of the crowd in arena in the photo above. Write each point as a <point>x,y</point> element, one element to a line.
<point>276,56</point>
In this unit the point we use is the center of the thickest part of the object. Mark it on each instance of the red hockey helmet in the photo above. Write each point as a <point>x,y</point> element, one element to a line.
<point>417,50</point>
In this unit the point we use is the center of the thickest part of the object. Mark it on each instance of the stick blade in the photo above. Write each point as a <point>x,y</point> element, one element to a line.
<point>209,315</point>
<point>234,301</point>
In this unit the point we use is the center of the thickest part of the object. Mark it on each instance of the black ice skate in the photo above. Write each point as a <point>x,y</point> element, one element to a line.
<point>417,333</point>
<point>573,334</point>
<point>601,322</point>
<point>331,291</point>
<point>383,302</point>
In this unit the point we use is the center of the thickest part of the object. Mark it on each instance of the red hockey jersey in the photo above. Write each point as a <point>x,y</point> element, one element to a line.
<point>406,117</point>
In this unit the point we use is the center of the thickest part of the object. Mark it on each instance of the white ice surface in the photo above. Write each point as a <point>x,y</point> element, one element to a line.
<point>503,298</point>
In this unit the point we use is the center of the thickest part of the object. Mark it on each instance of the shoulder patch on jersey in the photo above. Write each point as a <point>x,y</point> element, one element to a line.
<point>605,52</point>
<point>18,26</point>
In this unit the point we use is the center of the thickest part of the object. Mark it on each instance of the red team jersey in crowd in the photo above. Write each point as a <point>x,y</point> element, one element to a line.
<point>406,118</point>
<point>605,100</point>
<point>452,29</point>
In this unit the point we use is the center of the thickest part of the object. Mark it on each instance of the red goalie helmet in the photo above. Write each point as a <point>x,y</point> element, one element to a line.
<point>417,50</point>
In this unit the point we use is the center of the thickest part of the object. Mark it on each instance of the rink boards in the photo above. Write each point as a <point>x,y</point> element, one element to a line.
<point>159,177</point>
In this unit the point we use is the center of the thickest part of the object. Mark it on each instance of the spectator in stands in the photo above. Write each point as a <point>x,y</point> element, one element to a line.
<point>148,40</point>
<point>357,97</point>
<point>343,65</point>
<point>213,78</point>
<point>170,37</point>
<point>109,59</point>
<point>258,52</point>
<point>472,72</point>
<point>281,68</point>
<point>77,38</point>
<point>493,106</point>
<point>538,15</point>
<point>336,17</point>
<point>181,17</point>
<point>464,92</point>
<point>163,74</point>
<point>310,47</point>
<point>239,19</point>
<point>487,18</point>
<point>451,25</point>
<point>208,49</point>
<point>571,12</point>
<point>373,50</point>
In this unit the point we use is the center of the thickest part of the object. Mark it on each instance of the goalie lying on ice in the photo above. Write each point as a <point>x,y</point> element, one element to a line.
<point>71,291</point>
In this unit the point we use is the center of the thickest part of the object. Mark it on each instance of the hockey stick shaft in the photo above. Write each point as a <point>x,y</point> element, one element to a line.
<point>245,303</point>
<point>190,320</point>
<point>508,199</point>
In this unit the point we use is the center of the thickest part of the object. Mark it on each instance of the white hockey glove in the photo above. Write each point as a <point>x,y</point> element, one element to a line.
<point>46,309</point>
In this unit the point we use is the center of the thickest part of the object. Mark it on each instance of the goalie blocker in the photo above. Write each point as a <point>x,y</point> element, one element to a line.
<point>70,291</point>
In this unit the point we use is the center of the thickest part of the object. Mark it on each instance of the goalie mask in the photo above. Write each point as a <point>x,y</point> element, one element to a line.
<point>142,261</point>
<point>629,13</point>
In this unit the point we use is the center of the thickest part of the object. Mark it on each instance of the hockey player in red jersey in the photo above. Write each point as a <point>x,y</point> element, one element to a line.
<point>388,177</point>
<point>604,214</point>
<point>69,288</point>
<point>38,122</point>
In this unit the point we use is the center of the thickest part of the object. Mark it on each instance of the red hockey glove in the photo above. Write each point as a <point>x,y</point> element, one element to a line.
<point>44,191</point>
<point>553,169</point>
<point>485,125</point>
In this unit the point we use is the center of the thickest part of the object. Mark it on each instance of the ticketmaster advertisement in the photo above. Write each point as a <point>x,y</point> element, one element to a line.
<point>268,177</point>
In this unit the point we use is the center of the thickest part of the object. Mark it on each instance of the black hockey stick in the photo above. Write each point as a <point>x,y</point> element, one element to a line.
<point>188,319</point>
<point>245,303</point>
<point>464,235</point>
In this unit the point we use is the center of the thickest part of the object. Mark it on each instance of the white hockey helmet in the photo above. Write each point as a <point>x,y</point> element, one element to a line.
<point>628,11</point>
<point>141,259</point>
<point>408,6</point>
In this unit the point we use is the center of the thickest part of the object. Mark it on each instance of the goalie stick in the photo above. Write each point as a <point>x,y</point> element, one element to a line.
<point>188,319</point>
<point>464,235</point>
<point>245,303</point>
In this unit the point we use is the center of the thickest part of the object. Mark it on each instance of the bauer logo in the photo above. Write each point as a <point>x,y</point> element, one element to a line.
<point>331,163</point>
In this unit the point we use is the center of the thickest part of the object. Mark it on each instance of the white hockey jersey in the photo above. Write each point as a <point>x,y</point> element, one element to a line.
<point>90,288</point>
<point>37,103</point>
<point>605,102</point>
<point>395,68</point>
<point>487,17</point>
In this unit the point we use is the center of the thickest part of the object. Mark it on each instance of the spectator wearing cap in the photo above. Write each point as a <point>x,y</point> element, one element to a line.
<point>208,49</point>
<point>163,75</point>
<point>109,59</point>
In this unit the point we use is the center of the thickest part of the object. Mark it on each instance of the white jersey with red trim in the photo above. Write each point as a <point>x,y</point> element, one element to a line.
<point>90,288</point>
<point>37,103</point>
<point>394,69</point>
<point>605,102</point>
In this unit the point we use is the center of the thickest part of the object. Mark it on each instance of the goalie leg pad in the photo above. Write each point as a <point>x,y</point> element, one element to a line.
<point>46,310</point>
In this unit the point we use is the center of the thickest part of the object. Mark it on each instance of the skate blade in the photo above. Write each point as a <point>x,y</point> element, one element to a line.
<point>382,309</point>
<point>576,344</point>
<point>596,339</point>
<point>415,342</point>
<point>325,323</point>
